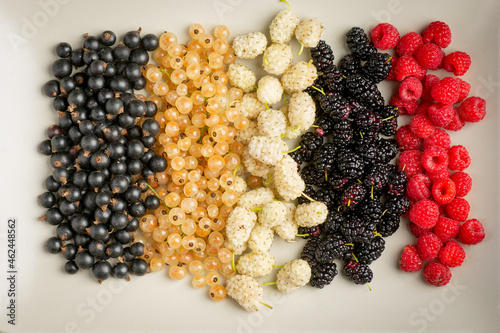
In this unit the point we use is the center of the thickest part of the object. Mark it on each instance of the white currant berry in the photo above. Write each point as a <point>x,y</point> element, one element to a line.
<point>269,90</point>
<point>241,77</point>
<point>298,77</point>
<point>283,26</point>
<point>277,58</point>
<point>301,111</point>
<point>311,214</point>
<point>249,46</point>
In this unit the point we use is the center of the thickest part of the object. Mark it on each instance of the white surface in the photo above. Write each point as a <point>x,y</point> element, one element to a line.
<point>50,301</point>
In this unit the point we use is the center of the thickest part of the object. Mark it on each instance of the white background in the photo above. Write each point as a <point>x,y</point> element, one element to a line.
<point>50,301</point>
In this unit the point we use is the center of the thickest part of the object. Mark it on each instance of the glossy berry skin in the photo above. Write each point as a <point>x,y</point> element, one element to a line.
<point>70,267</point>
<point>53,245</point>
<point>101,270</point>
<point>62,68</point>
<point>51,88</point>
<point>114,250</point>
<point>120,270</point>
<point>47,199</point>
<point>84,260</point>
<point>63,50</point>
<point>139,267</point>
<point>150,42</point>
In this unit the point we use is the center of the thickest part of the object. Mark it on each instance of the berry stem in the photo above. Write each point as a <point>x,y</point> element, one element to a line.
<point>266,61</point>
<point>302,235</point>
<point>266,305</point>
<point>232,264</point>
<point>268,179</point>
<point>286,4</point>
<point>387,118</point>
<point>269,283</point>
<point>301,49</point>
<point>256,209</point>
<point>284,97</point>
<point>235,170</point>
<point>156,194</point>
<point>371,194</point>
<point>383,213</point>
<point>321,90</point>
<point>375,233</point>
<point>267,107</point>
<point>291,151</point>
<point>308,197</point>
<point>326,176</point>
<point>356,259</point>
<point>278,265</point>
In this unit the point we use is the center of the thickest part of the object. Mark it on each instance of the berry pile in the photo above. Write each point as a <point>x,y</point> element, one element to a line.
<point>346,163</point>
<point>101,155</point>
<point>428,158</point>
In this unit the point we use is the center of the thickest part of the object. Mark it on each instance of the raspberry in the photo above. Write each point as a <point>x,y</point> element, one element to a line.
<point>385,36</point>
<point>459,158</point>
<point>458,209</point>
<point>435,159</point>
<point>410,259</point>
<point>421,126</point>
<point>456,123</point>
<point>409,161</point>
<point>439,138</point>
<point>391,76</point>
<point>471,232</point>
<point>406,66</point>
<point>430,56</point>
<point>446,91</point>
<point>463,183</point>
<point>440,114</point>
<point>427,83</point>
<point>464,89</point>
<point>457,62</point>
<point>420,75</point>
<point>452,254</point>
<point>428,246</point>
<point>418,187</point>
<point>424,213</point>
<point>435,176</point>
<point>409,44</point>
<point>437,32</point>
<point>404,107</point>
<point>473,109</point>
<point>437,274</point>
<point>443,190</point>
<point>418,231</point>
<point>410,89</point>
<point>423,107</point>
<point>446,228</point>
<point>406,139</point>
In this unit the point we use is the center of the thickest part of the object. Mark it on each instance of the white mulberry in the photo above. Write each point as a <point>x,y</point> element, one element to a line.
<point>249,46</point>
<point>267,150</point>
<point>239,225</point>
<point>288,229</point>
<point>293,275</point>
<point>245,290</point>
<point>269,90</point>
<point>311,214</point>
<point>255,264</point>
<point>244,136</point>
<point>309,32</point>
<point>271,123</point>
<point>253,166</point>
<point>287,180</point>
<point>239,185</point>
<point>290,132</point>
<point>277,58</point>
<point>261,238</point>
<point>283,26</point>
<point>250,106</point>
<point>301,111</point>
<point>256,198</point>
<point>241,77</point>
<point>272,214</point>
<point>298,77</point>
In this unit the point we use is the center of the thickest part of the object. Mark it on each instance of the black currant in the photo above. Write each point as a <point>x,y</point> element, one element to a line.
<point>52,88</point>
<point>84,260</point>
<point>61,68</point>
<point>63,50</point>
<point>150,42</point>
<point>53,245</point>
<point>101,270</point>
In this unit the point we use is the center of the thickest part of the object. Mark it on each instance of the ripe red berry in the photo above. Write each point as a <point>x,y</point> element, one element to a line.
<point>385,36</point>
<point>443,190</point>
<point>456,123</point>
<point>418,231</point>
<point>424,213</point>
<point>430,56</point>
<point>459,158</point>
<point>406,139</point>
<point>421,126</point>
<point>463,183</point>
<point>473,109</point>
<point>409,161</point>
<point>410,259</point>
<point>409,44</point>
<point>446,91</point>
<point>391,76</point>
<point>437,32</point>
<point>428,81</point>
<point>452,254</point>
<point>464,89</point>
<point>437,274</point>
<point>407,66</point>
<point>428,246</point>
<point>418,187</point>
<point>440,114</point>
<point>410,89</point>
<point>457,62</point>
<point>458,209</point>
<point>446,228</point>
<point>435,176</point>
<point>404,107</point>
<point>423,107</point>
<point>435,159</point>
<point>439,138</point>
<point>471,232</point>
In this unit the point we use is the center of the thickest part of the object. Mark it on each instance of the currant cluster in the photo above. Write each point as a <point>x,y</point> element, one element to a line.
<point>348,162</point>
<point>101,152</point>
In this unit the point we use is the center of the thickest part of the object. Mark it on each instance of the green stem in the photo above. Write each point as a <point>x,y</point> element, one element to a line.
<point>301,49</point>
<point>286,4</point>
<point>291,151</point>
<point>156,194</point>
<point>269,283</point>
<point>318,89</point>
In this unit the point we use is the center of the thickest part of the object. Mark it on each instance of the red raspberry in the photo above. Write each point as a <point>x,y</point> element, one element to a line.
<point>473,109</point>
<point>409,161</point>
<point>430,56</point>
<point>439,138</point>
<point>437,32</point>
<point>435,159</point>
<point>420,75</point>
<point>452,254</point>
<point>446,91</point>
<point>457,62</point>
<point>440,114</point>
<point>410,259</point>
<point>424,213</point>
<point>409,44</point>
<point>459,158</point>
<point>407,66</point>
<point>405,107</point>
<point>458,209</point>
<point>463,183</point>
<point>471,232</point>
<point>464,89</point>
<point>456,123</point>
<point>418,231</point>
<point>410,89</point>
<point>423,107</point>
<point>428,246</point>
<point>418,187</point>
<point>443,190</point>
<point>446,228</point>
<point>437,274</point>
<point>421,126</point>
<point>406,139</point>
<point>435,176</point>
<point>391,76</point>
<point>385,36</point>
<point>428,81</point>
